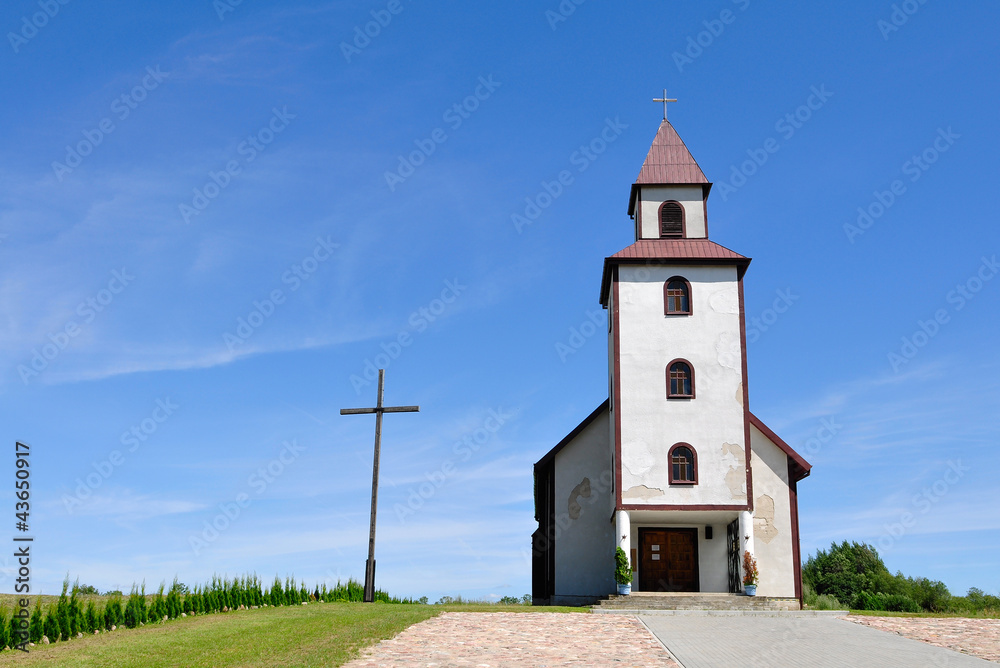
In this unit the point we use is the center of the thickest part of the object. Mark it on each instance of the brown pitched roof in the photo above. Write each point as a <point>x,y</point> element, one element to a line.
<point>671,251</point>
<point>669,160</point>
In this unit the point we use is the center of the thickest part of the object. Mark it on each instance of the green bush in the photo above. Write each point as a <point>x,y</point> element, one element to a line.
<point>113,615</point>
<point>135,608</point>
<point>623,573</point>
<point>37,627</point>
<point>4,630</point>
<point>51,624</point>
<point>62,614</point>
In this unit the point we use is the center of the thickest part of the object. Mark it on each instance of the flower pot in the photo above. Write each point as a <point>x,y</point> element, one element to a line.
<point>624,590</point>
<point>750,590</point>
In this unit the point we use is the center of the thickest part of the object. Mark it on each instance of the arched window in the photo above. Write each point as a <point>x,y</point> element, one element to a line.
<point>683,465</point>
<point>677,296</point>
<point>671,220</point>
<point>680,380</point>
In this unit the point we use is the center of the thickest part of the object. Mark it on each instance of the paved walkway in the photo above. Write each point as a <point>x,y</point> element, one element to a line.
<point>978,637</point>
<point>799,642</point>
<point>488,639</point>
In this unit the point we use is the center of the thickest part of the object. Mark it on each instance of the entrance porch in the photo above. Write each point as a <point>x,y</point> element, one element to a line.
<point>690,551</point>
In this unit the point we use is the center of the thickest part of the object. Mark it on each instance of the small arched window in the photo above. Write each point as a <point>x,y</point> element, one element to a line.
<point>677,296</point>
<point>683,465</point>
<point>680,380</point>
<point>671,220</point>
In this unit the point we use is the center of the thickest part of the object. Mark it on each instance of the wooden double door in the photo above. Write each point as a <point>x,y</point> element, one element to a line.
<point>668,560</point>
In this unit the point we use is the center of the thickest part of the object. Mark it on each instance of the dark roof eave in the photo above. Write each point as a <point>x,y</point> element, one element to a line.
<point>801,467</point>
<point>741,268</point>
<point>548,456</point>
<point>705,187</point>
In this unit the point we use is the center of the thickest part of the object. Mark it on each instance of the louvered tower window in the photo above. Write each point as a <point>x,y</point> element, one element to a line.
<point>671,221</point>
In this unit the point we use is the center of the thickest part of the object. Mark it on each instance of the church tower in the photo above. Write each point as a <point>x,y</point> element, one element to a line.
<point>689,477</point>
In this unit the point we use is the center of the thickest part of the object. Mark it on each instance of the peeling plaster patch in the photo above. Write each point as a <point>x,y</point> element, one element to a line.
<point>739,394</point>
<point>763,519</point>
<point>736,451</point>
<point>725,301</point>
<point>639,459</point>
<point>727,347</point>
<point>643,492</point>
<point>583,489</point>
<point>736,480</point>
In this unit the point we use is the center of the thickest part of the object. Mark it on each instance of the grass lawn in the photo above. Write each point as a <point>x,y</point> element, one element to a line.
<point>323,634</point>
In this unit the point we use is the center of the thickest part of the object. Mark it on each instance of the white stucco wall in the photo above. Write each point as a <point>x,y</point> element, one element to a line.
<point>772,518</point>
<point>691,198</point>
<point>585,541</point>
<point>712,422</point>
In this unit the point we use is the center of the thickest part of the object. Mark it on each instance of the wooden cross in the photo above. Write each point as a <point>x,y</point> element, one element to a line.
<point>378,410</point>
<point>664,100</point>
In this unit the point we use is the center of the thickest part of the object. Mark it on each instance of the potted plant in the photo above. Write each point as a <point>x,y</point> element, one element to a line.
<point>750,574</point>
<point>623,573</point>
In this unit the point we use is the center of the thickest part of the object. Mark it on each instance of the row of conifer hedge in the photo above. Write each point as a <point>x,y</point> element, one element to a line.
<point>69,617</point>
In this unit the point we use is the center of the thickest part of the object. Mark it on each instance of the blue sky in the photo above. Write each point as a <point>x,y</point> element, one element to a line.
<point>219,255</point>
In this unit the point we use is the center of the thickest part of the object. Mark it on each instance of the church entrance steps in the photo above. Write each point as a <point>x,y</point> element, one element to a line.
<point>647,601</point>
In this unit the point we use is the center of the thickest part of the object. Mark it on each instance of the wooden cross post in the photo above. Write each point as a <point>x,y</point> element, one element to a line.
<point>664,100</point>
<point>378,411</point>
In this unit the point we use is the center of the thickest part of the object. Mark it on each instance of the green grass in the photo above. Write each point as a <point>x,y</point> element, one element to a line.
<point>318,634</point>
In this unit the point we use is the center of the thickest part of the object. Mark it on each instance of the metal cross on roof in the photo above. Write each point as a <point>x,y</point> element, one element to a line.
<point>378,410</point>
<point>664,100</point>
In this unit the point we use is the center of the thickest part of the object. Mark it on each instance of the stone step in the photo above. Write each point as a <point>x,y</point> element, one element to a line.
<point>651,601</point>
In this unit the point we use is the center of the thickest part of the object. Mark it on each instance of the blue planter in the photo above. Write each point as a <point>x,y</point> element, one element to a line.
<point>750,590</point>
<point>625,590</point>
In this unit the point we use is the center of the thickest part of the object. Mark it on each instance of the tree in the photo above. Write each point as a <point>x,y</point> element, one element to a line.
<point>848,569</point>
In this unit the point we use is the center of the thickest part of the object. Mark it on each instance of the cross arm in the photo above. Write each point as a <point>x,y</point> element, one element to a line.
<point>401,409</point>
<point>357,411</point>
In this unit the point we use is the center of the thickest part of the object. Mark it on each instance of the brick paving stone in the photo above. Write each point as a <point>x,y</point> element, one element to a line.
<point>543,639</point>
<point>977,637</point>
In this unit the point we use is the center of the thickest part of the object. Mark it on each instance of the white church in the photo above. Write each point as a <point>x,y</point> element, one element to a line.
<point>673,467</point>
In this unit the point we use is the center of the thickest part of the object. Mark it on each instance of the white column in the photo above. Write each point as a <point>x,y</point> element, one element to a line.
<point>746,537</point>
<point>623,536</point>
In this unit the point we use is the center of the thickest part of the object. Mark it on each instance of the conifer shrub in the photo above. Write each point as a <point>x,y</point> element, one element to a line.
<point>62,613</point>
<point>75,612</point>
<point>36,629</point>
<point>135,608</point>
<point>5,639</point>
<point>51,624</point>
<point>174,606</point>
<point>113,614</point>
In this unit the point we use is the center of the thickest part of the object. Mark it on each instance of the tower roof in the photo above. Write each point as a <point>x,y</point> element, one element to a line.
<point>669,162</point>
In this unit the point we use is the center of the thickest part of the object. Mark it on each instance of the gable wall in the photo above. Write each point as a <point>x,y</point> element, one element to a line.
<point>584,545</point>
<point>772,517</point>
